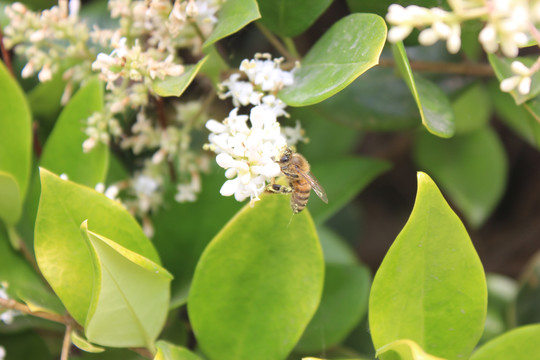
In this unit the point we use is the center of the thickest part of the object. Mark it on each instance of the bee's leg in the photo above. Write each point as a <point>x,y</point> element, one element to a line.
<point>280,189</point>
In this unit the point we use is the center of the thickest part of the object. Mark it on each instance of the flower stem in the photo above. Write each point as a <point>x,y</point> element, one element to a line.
<point>483,70</point>
<point>67,342</point>
<point>291,47</point>
<point>275,42</point>
<point>14,305</point>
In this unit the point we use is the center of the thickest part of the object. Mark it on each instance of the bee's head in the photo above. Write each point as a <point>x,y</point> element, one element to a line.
<point>285,156</point>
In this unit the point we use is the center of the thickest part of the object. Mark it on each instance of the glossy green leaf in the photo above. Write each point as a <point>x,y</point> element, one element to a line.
<point>407,350</point>
<point>257,284</point>
<point>84,344</point>
<point>343,305</point>
<point>433,104</point>
<point>525,310</point>
<point>62,253</point>
<point>176,85</point>
<point>291,18</point>
<point>515,117</point>
<point>24,283</point>
<point>520,343</point>
<point>471,168</point>
<point>63,151</point>
<point>233,16</point>
<point>180,246</point>
<point>213,66</point>
<point>15,143</point>
<point>168,351</point>
<point>361,106</point>
<point>349,48</point>
<point>11,204</point>
<point>472,109</point>
<point>130,298</point>
<point>431,261</point>
<point>502,68</point>
<point>342,179</point>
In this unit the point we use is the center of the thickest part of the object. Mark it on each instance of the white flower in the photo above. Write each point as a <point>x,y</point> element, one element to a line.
<point>266,73</point>
<point>247,152</point>
<point>521,80</point>
<point>293,135</point>
<point>2,353</point>
<point>241,92</point>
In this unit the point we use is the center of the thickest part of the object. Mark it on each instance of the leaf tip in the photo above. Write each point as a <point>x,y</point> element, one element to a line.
<point>423,178</point>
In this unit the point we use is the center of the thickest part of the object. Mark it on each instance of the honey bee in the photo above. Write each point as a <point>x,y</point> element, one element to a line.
<point>296,168</point>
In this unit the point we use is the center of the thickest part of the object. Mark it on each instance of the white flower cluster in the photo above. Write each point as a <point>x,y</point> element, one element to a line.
<point>6,316</point>
<point>440,25</point>
<point>521,80</point>
<point>248,150</point>
<point>265,79</point>
<point>508,23</point>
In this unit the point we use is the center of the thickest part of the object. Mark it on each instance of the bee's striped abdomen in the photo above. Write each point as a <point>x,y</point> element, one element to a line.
<point>300,195</point>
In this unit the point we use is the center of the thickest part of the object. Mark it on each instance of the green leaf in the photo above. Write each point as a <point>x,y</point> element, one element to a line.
<point>176,85</point>
<point>335,250</point>
<point>62,253</point>
<point>342,179</point>
<point>343,305</point>
<point>11,204</point>
<point>63,151</point>
<point>433,104</point>
<point>84,344</point>
<point>502,68</point>
<point>130,298</point>
<point>525,309</point>
<point>407,350</point>
<point>214,66</point>
<point>23,282</point>
<point>257,284</point>
<point>233,16</point>
<point>520,343</point>
<point>515,117</point>
<point>45,98</point>
<point>321,128</point>
<point>168,351</point>
<point>361,106</point>
<point>15,144</point>
<point>181,245</point>
<point>290,18</point>
<point>348,49</point>
<point>472,109</point>
<point>471,168</point>
<point>431,261</point>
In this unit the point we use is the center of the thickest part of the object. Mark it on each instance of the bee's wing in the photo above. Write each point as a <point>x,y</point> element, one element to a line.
<point>314,184</point>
